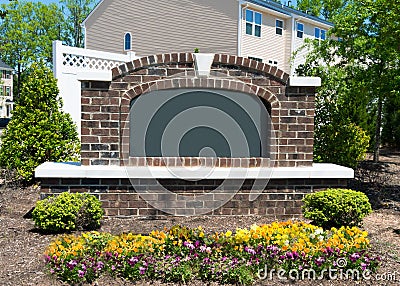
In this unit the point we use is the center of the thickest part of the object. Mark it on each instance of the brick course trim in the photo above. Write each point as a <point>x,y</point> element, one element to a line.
<point>211,83</point>
<point>187,58</point>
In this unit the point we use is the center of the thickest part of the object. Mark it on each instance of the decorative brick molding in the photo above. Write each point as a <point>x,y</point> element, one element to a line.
<point>105,112</point>
<point>183,59</point>
<point>199,161</point>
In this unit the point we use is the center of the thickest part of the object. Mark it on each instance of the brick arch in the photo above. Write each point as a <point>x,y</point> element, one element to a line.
<point>210,83</point>
<point>187,58</point>
<point>105,112</point>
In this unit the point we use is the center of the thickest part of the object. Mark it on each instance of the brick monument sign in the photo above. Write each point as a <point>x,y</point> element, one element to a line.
<point>173,135</point>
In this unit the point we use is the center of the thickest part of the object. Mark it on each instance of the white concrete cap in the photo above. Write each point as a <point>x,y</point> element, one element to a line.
<point>304,81</point>
<point>75,170</point>
<point>95,75</point>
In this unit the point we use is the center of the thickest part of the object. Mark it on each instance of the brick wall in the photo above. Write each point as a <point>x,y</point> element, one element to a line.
<point>105,110</point>
<point>280,199</point>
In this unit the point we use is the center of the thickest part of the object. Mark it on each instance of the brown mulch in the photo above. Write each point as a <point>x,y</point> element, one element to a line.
<point>21,246</point>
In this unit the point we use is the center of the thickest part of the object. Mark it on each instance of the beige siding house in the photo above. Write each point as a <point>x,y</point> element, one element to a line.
<point>163,26</point>
<point>263,30</point>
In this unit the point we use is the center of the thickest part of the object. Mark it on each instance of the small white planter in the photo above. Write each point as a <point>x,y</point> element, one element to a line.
<point>202,63</point>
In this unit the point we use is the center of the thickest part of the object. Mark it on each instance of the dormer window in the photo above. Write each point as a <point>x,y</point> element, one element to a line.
<point>253,23</point>
<point>127,42</point>
<point>300,30</point>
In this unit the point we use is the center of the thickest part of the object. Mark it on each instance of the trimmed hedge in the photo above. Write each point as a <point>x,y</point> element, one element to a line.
<point>336,207</point>
<point>67,212</point>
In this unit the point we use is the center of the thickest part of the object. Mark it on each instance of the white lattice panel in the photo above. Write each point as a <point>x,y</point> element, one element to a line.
<point>88,63</point>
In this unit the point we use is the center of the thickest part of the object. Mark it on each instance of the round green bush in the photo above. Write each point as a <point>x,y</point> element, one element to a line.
<point>336,207</point>
<point>67,212</point>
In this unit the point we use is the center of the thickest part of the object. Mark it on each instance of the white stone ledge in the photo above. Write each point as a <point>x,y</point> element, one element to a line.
<point>304,81</point>
<point>94,75</point>
<point>74,170</point>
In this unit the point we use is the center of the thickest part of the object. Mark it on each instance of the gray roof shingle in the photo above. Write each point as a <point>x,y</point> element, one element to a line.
<point>4,66</point>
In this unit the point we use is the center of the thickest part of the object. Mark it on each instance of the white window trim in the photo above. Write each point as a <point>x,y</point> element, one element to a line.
<point>253,30</point>
<point>297,30</point>
<point>320,34</point>
<point>126,33</point>
<point>276,27</point>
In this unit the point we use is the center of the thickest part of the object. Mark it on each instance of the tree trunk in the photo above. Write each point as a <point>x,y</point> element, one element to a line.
<point>378,130</point>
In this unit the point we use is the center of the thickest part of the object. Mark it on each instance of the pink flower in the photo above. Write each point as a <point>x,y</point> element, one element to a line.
<point>354,257</point>
<point>71,264</point>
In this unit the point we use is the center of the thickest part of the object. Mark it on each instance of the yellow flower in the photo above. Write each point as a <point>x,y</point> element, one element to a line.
<point>228,233</point>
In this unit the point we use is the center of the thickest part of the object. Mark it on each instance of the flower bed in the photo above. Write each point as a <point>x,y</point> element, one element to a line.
<point>241,257</point>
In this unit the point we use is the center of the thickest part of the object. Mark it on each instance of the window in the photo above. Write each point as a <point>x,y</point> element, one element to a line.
<point>300,29</point>
<point>253,23</point>
<point>323,35</point>
<point>256,59</point>
<point>273,63</point>
<point>6,74</point>
<point>8,91</point>
<point>279,27</point>
<point>319,34</point>
<point>8,111</point>
<point>127,42</point>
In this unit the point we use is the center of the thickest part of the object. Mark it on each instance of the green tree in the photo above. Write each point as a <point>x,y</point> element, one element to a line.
<point>38,131</point>
<point>75,12</point>
<point>26,35</point>
<point>365,48</point>
<point>391,121</point>
<point>326,9</point>
<point>337,138</point>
